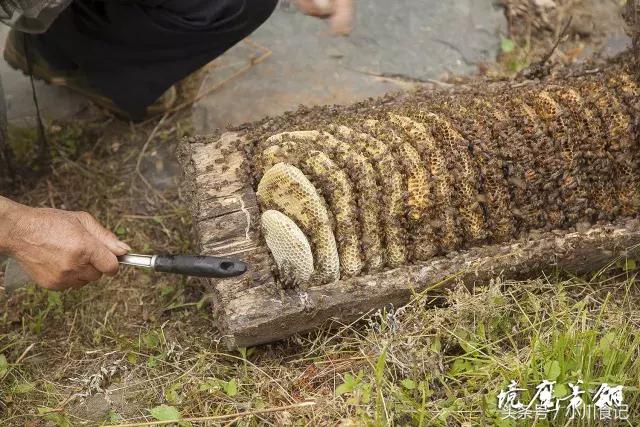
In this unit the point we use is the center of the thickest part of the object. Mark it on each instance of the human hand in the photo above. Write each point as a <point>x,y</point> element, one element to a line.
<point>341,13</point>
<point>59,249</point>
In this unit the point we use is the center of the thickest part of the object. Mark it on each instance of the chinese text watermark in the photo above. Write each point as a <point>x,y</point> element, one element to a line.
<point>606,403</point>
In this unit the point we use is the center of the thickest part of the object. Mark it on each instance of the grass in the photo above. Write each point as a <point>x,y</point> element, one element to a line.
<point>143,347</point>
<point>417,365</point>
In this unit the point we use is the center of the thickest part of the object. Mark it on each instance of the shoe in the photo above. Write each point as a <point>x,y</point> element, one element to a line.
<point>14,54</point>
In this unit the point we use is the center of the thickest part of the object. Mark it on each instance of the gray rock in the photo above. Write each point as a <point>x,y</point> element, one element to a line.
<point>615,44</point>
<point>14,276</point>
<point>95,408</point>
<point>55,102</point>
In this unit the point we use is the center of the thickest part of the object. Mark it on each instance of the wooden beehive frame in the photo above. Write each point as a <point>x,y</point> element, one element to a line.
<point>253,309</point>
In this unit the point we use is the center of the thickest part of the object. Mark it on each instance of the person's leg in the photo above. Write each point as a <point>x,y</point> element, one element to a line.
<point>132,52</point>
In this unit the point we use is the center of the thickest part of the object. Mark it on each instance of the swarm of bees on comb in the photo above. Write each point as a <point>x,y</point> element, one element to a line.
<point>406,181</point>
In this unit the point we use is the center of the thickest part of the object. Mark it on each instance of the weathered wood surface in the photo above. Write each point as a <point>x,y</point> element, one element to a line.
<point>224,208</point>
<point>253,310</point>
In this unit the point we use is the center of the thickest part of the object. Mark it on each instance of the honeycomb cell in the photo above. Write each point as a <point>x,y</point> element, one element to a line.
<point>424,240</point>
<point>407,156</point>
<point>286,145</point>
<point>293,148</point>
<point>285,188</point>
<point>338,192</point>
<point>550,112</point>
<point>577,178</point>
<point>556,159</point>
<point>289,246</point>
<point>627,92</point>
<point>424,174</point>
<point>483,127</point>
<point>604,199</point>
<point>415,184</point>
<point>617,126</point>
<point>463,181</point>
<point>417,180</point>
<point>392,191</point>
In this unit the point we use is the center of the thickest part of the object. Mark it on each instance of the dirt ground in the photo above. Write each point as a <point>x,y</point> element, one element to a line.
<point>143,347</point>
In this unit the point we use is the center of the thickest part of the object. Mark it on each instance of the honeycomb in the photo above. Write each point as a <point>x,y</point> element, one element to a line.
<point>289,246</point>
<point>339,194</point>
<point>389,177</point>
<point>286,189</point>
<point>361,244</point>
<point>405,179</point>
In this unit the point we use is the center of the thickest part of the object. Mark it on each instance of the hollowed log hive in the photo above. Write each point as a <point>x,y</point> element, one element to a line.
<point>370,203</point>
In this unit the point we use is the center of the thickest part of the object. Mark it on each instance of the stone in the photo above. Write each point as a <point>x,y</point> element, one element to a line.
<point>56,103</point>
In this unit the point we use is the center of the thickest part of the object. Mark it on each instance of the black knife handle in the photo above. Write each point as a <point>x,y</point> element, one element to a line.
<point>201,266</point>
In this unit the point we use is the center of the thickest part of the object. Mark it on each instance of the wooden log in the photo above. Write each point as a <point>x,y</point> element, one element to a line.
<point>252,309</point>
<point>225,211</point>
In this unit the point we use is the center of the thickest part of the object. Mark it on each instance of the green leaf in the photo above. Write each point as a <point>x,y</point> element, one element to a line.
<point>560,390</point>
<point>166,290</point>
<point>344,388</point>
<point>481,331</point>
<point>209,385</point>
<point>630,265</point>
<point>54,300</point>
<point>627,264</point>
<point>507,45</point>
<point>50,414</point>
<point>607,341</point>
<point>246,352</point>
<point>121,231</point>
<point>114,417</point>
<point>4,365</point>
<point>172,393</point>
<point>231,388</point>
<point>444,414</point>
<point>366,394</point>
<point>552,370</point>
<point>436,346</point>
<point>58,419</point>
<point>165,413</point>
<point>380,364</point>
<point>132,358</point>
<point>471,347</point>
<point>349,379</point>
<point>152,362</point>
<point>460,365</point>
<point>23,388</point>
<point>408,384</point>
<point>151,340</point>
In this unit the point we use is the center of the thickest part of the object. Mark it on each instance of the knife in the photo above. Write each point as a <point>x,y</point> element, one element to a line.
<point>187,265</point>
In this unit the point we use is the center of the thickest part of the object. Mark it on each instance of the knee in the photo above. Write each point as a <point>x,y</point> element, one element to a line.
<point>260,11</point>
